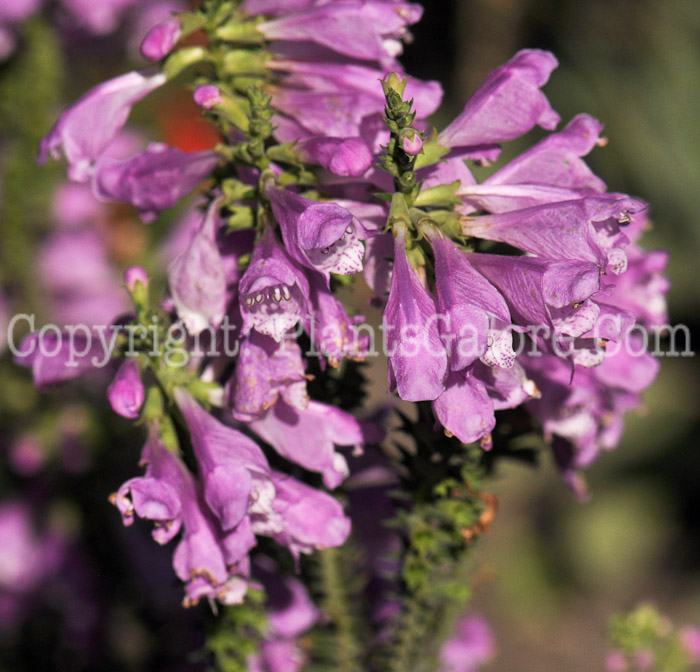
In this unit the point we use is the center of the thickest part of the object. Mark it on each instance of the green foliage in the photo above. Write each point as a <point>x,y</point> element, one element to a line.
<point>237,633</point>
<point>443,515</point>
<point>339,642</point>
<point>398,118</point>
<point>27,107</point>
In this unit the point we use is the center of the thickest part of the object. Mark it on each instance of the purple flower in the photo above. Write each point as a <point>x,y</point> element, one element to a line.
<point>322,236</point>
<point>507,388</point>
<point>331,329</point>
<point>615,661</point>
<point>28,556</point>
<point>197,279</point>
<point>126,394</point>
<point>587,229</point>
<point>208,96</point>
<point>341,114</point>
<point>334,77</point>
<point>369,30</point>
<point>77,277</point>
<point>337,99</point>
<point>544,292</point>
<point>56,357</point>
<point>273,290</point>
<point>690,640</point>
<point>154,180</point>
<point>417,357</point>
<point>11,14</point>
<point>17,11</point>
<point>470,646</point>
<point>73,206</point>
<point>641,288</point>
<point>84,130</point>
<point>412,144</point>
<point>556,160</point>
<point>583,415</point>
<point>234,471</point>
<point>266,371</point>
<point>277,655</point>
<point>290,613</point>
<point>31,560</point>
<point>149,14</point>
<point>469,305</point>
<point>464,408</point>
<point>213,564</point>
<point>378,266</point>
<point>309,437</point>
<point>100,18</point>
<point>347,157</point>
<point>133,275</point>
<point>508,104</point>
<point>274,7</point>
<point>311,519</point>
<point>160,39</point>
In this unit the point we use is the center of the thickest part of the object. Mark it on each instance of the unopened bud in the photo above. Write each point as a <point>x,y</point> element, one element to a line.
<point>160,39</point>
<point>126,393</point>
<point>135,274</point>
<point>136,281</point>
<point>208,96</point>
<point>394,82</point>
<point>411,142</point>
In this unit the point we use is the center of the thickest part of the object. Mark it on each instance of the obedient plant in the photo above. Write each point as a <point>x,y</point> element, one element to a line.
<point>519,293</point>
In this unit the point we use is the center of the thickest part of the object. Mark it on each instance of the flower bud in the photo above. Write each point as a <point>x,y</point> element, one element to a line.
<point>160,39</point>
<point>411,142</point>
<point>208,96</point>
<point>395,82</point>
<point>135,274</point>
<point>136,281</point>
<point>126,393</point>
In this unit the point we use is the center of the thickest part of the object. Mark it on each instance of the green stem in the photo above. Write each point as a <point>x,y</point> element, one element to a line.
<point>346,651</point>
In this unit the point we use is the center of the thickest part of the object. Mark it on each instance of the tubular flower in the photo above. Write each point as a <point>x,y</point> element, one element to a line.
<point>126,393</point>
<point>84,130</point>
<point>309,437</point>
<point>273,290</point>
<point>154,180</point>
<point>266,371</point>
<point>234,472</point>
<point>321,236</point>
<point>211,562</point>
<point>417,358</point>
<point>197,277</point>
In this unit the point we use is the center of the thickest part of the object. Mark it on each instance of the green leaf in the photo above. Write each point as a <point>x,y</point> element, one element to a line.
<point>432,153</point>
<point>182,59</point>
<point>442,196</point>
<point>244,32</point>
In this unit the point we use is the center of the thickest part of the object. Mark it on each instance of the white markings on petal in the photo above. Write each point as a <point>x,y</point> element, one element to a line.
<point>343,257</point>
<point>275,310</point>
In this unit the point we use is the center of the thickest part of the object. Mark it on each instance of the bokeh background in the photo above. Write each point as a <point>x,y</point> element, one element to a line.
<point>90,595</point>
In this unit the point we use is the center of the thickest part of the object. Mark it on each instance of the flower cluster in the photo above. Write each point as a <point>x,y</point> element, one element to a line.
<point>327,169</point>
